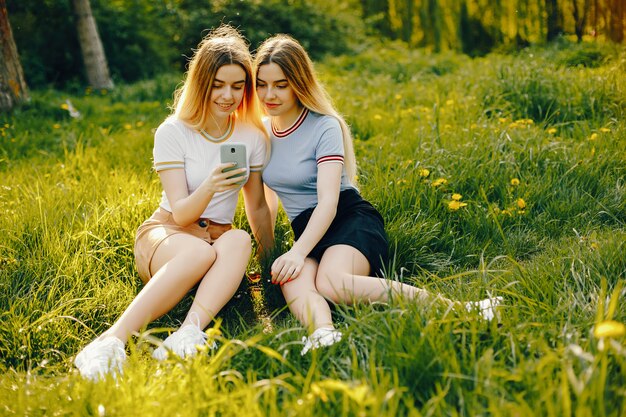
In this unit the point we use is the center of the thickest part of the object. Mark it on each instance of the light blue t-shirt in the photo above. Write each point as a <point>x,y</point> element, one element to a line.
<point>314,139</point>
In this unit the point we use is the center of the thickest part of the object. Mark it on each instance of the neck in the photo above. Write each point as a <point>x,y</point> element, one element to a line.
<point>217,126</point>
<point>284,121</point>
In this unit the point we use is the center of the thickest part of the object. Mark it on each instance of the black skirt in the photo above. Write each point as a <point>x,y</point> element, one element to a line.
<point>357,224</point>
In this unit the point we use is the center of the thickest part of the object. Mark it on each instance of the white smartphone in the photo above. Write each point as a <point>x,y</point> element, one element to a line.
<point>234,152</point>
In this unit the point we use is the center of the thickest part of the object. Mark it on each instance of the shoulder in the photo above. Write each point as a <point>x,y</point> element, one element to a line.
<point>247,132</point>
<point>322,122</point>
<point>173,128</point>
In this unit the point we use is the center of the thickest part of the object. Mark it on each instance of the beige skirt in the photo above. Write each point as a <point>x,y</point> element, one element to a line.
<point>161,225</point>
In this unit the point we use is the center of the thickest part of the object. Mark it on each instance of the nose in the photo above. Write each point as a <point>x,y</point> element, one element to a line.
<point>228,92</point>
<point>271,92</point>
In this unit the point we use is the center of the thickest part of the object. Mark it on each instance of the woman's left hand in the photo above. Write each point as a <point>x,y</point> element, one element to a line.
<point>287,267</point>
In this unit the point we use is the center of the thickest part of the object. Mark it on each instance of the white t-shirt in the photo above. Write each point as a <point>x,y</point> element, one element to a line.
<point>177,146</point>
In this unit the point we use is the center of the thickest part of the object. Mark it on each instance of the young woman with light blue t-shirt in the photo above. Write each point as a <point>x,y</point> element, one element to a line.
<point>340,245</point>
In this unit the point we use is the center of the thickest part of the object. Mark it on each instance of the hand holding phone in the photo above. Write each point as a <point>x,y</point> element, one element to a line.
<point>234,153</point>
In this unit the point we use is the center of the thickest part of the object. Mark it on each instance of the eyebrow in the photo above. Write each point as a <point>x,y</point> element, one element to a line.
<point>216,80</point>
<point>284,80</point>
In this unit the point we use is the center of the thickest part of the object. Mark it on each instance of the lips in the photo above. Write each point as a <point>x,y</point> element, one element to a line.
<point>271,105</point>
<point>224,106</point>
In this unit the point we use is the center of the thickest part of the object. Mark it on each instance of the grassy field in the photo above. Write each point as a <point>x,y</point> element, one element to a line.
<point>501,175</point>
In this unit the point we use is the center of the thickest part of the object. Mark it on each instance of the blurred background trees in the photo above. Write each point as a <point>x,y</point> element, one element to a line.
<point>143,38</point>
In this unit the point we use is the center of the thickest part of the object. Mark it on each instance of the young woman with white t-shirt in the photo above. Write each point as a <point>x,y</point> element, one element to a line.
<point>189,239</point>
<point>340,241</point>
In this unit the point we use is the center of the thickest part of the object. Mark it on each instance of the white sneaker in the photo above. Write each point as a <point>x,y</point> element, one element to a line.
<point>486,308</point>
<point>320,337</point>
<point>183,342</point>
<point>100,357</point>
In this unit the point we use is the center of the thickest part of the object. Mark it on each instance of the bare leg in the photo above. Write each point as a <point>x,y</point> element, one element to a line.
<point>342,278</point>
<point>180,261</point>
<point>219,285</point>
<point>304,300</point>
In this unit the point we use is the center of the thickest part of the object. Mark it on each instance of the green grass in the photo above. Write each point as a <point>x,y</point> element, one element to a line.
<point>73,191</point>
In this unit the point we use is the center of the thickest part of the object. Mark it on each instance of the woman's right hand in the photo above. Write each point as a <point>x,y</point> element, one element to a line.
<point>219,181</point>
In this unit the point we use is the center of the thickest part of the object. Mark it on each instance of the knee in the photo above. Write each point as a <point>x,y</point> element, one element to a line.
<point>325,285</point>
<point>241,239</point>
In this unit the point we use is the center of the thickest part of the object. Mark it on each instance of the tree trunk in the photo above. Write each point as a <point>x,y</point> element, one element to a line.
<point>552,12</point>
<point>618,13</point>
<point>580,19</point>
<point>13,89</point>
<point>94,59</point>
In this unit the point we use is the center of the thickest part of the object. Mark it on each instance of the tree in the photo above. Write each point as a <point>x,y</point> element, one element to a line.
<point>580,18</point>
<point>616,24</point>
<point>553,20</point>
<point>13,89</point>
<point>94,58</point>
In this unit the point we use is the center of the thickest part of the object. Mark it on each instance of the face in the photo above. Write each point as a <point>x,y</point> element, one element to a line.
<point>227,90</point>
<point>275,93</point>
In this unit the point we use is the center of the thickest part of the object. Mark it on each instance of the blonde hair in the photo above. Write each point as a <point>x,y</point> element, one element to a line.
<point>295,63</point>
<point>222,46</point>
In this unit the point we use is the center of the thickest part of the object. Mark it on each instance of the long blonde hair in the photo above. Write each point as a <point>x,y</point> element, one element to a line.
<point>222,46</point>
<point>295,63</point>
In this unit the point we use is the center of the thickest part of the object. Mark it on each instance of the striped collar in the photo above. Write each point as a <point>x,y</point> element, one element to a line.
<point>226,135</point>
<point>294,126</point>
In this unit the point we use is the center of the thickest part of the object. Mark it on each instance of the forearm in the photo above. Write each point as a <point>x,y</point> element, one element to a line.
<point>261,226</point>
<point>187,210</point>
<point>320,221</point>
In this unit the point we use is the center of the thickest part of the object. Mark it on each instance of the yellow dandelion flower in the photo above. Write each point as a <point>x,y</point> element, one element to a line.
<point>454,205</point>
<point>609,328</point>
<point>605,130</point>
<point>64,106</point>
<point>513,125</point>
<point>514,182</point>
<point>423,172</point>
<point>139,123</point>
<point>439,181</point>
<point>56,126</point>
<point>449,102</point>
<point>378,117</point>
<point>398,96</point>
<point>128,126</point>
<point>456,196</point>
<point>529,121</point>
<point>521,203</point>
<point>593,136</point>
<point>401,182</point>
<point>552,130</point>
<point>503,119</point>
<point>594,245</point>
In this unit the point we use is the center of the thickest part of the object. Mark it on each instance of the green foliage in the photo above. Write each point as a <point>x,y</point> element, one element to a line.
<point>539,219</point>
<point>144,38</point>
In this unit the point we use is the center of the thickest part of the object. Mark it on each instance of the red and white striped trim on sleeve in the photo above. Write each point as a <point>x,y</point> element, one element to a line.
<point>330,158</point>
